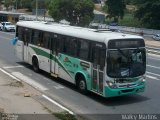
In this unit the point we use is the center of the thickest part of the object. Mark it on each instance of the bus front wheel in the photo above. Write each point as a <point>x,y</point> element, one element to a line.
<point>35,64</point>
<point>82,85</point>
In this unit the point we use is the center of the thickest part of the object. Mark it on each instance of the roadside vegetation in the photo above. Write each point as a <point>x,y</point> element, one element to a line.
<point>135,13</point>
<point>63,115</point>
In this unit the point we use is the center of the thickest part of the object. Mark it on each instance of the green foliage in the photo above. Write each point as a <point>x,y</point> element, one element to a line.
<point>104,8</point>
<point>148,13</point>
<point>115,9</point>
<point>25,4</point>
<point>29,4</point>
<point>130,21</point>
<point>128,2</point>
<point>77,12</point>
<point>8,3</point>
<point>42,4</point>
<point>65,116</point>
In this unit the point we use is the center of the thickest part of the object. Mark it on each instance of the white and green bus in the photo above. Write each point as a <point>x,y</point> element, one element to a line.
<point>104,62</point>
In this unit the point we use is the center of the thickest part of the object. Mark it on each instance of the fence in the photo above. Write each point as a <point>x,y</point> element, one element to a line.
<point>128,29</point>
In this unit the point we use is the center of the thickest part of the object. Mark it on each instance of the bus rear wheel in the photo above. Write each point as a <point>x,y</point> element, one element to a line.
<point>35,64</point>
<point>81,84</point>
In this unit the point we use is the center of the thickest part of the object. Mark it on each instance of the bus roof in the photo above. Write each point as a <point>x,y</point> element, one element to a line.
<point>79,32</point>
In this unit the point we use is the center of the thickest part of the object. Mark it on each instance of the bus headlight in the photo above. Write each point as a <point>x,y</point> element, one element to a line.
<point>111,84</point>
<point>142,81</point>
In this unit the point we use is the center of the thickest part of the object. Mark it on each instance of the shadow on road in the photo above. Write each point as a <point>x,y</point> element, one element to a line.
<point>114,101</point>
<point>121,100</point>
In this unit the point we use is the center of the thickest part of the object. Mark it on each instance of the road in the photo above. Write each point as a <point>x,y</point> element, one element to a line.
<point>91,106</point>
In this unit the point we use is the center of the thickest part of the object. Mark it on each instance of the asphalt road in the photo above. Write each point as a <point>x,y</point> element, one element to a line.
<point>91,106</point>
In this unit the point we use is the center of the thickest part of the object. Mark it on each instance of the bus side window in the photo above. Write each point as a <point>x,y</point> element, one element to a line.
<point>102,58</point>
<point>59,43</point>
<point>53,43</point>
<point>23,36</point>
<point>26,36</point>
<point>98,54</point>
<point>67,45</point>
<point>40,39</point>
<point>45,40</point>
<point>19,33</point>
<point>73,47</point>
<point>56,44</point>
<point>84,50</point>
<point>35,37</point>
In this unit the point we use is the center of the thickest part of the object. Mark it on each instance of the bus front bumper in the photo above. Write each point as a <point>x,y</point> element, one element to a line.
<point>110,92</point>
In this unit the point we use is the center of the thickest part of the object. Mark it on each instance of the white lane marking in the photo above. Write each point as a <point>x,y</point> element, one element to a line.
<point>153,51</point>
<point>151,77</point>
<point>9,67</point>
<point>7,73</point>
<point>153,66</point>
<point>59,105</point>
<point>29,81</point>
<point>58,87</point>
<point>151,57</point>
<point>153,74</point>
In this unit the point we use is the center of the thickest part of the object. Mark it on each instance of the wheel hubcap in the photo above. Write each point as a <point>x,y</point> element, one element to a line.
<point>82,85</point>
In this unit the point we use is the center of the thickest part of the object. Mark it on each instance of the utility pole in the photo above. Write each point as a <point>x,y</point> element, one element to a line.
<point>37,10</point>
<point>16,5</point>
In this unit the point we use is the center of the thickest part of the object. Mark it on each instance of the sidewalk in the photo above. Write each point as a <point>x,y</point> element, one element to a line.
<point>152,43</point>
<point>17,101</point>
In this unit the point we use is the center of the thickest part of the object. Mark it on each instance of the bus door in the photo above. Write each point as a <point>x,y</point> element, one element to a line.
<point>98,59</point>
<point>54,56</point>
<point>25,38</point>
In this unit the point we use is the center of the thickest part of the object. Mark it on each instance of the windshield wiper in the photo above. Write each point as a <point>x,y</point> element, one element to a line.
<point>120,51</point>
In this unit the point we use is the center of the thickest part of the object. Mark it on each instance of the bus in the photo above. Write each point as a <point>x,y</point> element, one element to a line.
<point>105,62</point>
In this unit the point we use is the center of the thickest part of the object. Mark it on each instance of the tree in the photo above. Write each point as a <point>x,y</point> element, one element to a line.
<point>8,3</point>
<point>77,12</point>
<point>148,13</point>
<point>115,9</point>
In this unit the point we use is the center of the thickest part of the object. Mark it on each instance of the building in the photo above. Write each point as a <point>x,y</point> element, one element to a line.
<point>9,16</point>
<point>99,17</point>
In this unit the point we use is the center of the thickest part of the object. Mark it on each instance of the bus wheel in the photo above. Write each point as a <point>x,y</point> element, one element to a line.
<point>35,64</point>
<point>82,85</point>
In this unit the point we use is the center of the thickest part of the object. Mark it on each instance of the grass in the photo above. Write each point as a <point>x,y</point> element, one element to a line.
<point>62,115</point>
<point>65,116</point>
<point>128,20</point>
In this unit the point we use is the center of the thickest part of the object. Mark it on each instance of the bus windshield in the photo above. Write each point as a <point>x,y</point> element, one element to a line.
<point>126,62</point>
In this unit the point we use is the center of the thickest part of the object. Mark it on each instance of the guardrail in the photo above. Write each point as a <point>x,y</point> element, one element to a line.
<point>153,50</point>
<point>128,29</point>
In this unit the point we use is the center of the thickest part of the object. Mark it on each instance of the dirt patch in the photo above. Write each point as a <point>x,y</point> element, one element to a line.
<point>131,8</point>
<point>15,84</point>
<point>152,43</point>
<point>1,110</point>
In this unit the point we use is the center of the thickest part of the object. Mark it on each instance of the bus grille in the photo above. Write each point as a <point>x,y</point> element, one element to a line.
<point>129,90</point>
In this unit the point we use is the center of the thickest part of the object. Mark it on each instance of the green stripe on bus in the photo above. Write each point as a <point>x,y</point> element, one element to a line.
<point>45,54</point>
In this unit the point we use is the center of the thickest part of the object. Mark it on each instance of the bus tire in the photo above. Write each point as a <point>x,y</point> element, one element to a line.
<point>82,86</point>
<point>35,64</point>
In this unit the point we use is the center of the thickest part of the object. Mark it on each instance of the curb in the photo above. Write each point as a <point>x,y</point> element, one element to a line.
<point>43,94</point>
